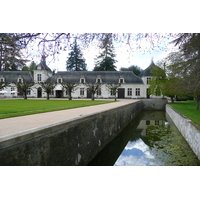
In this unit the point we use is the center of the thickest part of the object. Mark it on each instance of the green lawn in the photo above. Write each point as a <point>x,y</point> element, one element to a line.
<point>19,107</point>
<point>187,108</point>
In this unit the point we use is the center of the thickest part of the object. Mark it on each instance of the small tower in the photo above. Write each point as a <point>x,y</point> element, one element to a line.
<point>42,71</point>
<point>146,76</point>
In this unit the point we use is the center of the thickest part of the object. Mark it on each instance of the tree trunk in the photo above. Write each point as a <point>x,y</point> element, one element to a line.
<point>70,95</point>
<point>92,96</point>
<point>47,96</point>
<point>25,95</point>
<point>172,99</point>
<point>115,97</point>
<point>197,102</point>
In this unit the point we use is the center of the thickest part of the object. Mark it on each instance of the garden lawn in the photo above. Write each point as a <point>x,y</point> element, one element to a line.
<point>187,108</point>
<point>20,107</point>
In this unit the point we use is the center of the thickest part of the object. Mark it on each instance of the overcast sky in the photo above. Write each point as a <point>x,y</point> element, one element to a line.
<point>124,56</point>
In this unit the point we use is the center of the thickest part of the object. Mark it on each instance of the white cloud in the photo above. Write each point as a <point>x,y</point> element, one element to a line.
<point>135,160</point>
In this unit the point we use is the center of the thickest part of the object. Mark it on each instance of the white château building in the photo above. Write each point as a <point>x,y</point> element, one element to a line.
<point>132,86</point>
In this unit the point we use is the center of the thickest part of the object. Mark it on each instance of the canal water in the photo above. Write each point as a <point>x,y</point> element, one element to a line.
<point>151,139</point>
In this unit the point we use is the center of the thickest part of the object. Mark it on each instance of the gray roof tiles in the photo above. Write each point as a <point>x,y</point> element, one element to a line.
<point>91,76</point>
<point>147,71</point>
<point>13,76</point>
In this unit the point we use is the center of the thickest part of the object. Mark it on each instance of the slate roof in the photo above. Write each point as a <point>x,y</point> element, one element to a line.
<point>12,76</point>
<point>91,76</point>
<point>43,65</point>
<point>147,72</point>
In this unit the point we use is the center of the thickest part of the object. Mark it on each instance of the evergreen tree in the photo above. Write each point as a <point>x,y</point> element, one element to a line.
<point>189,46</point>
<point>10,53</point>
<point>105,61</point>
<point>75,61</point>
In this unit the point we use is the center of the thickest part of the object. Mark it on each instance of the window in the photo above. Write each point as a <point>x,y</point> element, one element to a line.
<point>12,89</point>
<point>98,80</point>
<point>129,92</point>
<point>59,80</point>
<point>52,92</point>
<point>147,122</point>
<point>99,91</point>
<point>2,80</point>
<point>82,80</point>
<point>39,77</point>
<point>156,122</point>
<point>137,92</point>
<point>121,80</point>
<point>148,80</point>
<point>82,91</point>
<point>28,92</point>
<point>112,92</point>
<point>19,80</point>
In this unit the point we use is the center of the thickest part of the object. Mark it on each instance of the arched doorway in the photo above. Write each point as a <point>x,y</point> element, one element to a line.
<point>39,92</point>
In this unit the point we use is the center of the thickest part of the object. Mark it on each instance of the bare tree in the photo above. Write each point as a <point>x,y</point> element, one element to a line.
<point>93,88</point>
<point>24,86</point>
<point>70,87</point>
<point>53,43</point>
<point>48,87</point>
<point>113,88</point>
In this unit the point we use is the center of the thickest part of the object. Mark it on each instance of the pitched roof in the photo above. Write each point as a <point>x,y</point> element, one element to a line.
<point>12,76</point>
<point>147,71</point>
<point>91,76</point>
<point>43,65</point>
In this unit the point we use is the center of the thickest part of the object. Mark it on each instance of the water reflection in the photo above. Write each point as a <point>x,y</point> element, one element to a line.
<point>135,153</point>
<point>149,140</point>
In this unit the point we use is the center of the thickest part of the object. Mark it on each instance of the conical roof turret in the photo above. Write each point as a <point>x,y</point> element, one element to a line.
<point>43,64</point>
<point>147,71</point>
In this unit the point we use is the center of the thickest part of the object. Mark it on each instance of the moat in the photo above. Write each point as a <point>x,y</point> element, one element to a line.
<point>149,140</point>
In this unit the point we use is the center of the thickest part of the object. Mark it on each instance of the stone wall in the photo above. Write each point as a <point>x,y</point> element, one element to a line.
<point>184,125</point>
<point>154,104</point>
<point>74,142</point>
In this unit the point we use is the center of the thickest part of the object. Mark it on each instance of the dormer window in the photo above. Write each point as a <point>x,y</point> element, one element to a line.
<point>19,80</point>
<point>82,80</point>
<point>59,80</point>
<point>121,80</point>
<point>98,80</point>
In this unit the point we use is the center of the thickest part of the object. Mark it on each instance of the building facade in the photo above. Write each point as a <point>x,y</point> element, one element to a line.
<point>131,86</point>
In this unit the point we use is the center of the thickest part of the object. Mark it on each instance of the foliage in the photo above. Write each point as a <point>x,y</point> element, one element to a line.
<point>10,53</point>
<point>134,68</point>
<point>19,107</point>
<point>113,88</point>
<point>48,87</point>
<point>70,87</point>
<point>189,46</point>
<point>157,81</point>
<point>105,61</point>
<point>75,61</point>
<point>30,68</point>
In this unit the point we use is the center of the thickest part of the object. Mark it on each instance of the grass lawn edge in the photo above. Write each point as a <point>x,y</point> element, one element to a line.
<point>31,112</point>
